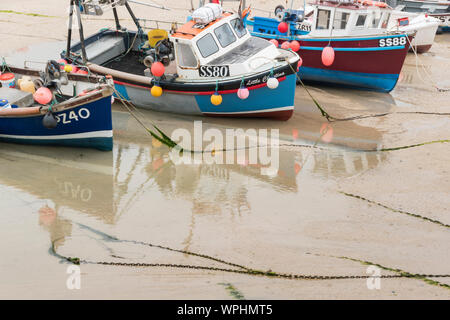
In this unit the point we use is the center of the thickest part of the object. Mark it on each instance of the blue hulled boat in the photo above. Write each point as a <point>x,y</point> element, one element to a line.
<point>82,120</point>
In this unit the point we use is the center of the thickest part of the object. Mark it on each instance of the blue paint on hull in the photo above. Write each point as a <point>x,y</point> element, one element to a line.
<point>260,100</point>
<point>102,144</point>
<point>371,81</point>
<point>94,119</point>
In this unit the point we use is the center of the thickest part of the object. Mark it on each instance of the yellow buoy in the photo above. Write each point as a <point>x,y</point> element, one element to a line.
<point>68,68</point>
<point>216,99</point>
<point>157,91</point>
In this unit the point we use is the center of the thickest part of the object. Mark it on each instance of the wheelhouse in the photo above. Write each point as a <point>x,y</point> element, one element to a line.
<point>218,49</point>
<point>349,18</point>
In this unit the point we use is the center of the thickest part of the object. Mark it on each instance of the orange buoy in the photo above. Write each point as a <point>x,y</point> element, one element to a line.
<point>158,69</point>
<point>43,95</point>
<point>283,27</point>
<point>295,45</point>
<point>328,56</point>
<point>275,42</point>
<point>286,45</point>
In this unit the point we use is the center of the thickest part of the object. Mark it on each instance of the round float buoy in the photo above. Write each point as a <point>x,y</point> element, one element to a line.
<point>216,99</point>
<point>81,71</point>
<point>283,27</point>
<point>300,62</point>
<point>243,93</point>
<point>285,45</point>
<point>49,121</point>
<point>275,42</point>
<point>295,45</point>
<point>43,95</point>
<point>158,69</point>
<point>156,91</point>
<point>272,83</point>
<point>62,63</point>
<point>328,56</point>
<point>68,68</point>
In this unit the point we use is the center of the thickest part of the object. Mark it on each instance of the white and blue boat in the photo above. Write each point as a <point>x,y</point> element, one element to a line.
<point>211,66</point>
<point>82,120</point>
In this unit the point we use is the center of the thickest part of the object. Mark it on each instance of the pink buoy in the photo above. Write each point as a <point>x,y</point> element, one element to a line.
<point>286,45</point>
<point>243,93</point>
<point>75,69</point>
<point>275,42</point>
<point>43,95</point>
<point>283,27</point>
<point>158,69</point>
<point>295,45</point>
<point>328,56</point>
<point>62,63</point>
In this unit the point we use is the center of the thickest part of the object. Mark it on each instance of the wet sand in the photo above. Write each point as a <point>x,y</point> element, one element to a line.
<point>325,212</point>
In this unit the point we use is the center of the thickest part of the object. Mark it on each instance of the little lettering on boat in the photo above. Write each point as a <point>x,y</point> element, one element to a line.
<point>203,67</point>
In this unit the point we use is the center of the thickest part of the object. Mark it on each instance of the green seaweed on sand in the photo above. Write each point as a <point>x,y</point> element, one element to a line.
<point>402,273</point>
<point>233,291</point>
<point>437,222</point>
<point>27,14</point>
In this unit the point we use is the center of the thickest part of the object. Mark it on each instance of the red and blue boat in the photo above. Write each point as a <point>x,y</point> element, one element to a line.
<point>366,55</point>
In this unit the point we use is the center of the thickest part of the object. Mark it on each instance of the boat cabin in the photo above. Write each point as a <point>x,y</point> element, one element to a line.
<point>349,18</point>
<point>219,47</point>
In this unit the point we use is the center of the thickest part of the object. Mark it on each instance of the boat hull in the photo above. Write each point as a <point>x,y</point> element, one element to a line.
<point>369,63</point>
<point>188,99</point>
<point>85,126</point>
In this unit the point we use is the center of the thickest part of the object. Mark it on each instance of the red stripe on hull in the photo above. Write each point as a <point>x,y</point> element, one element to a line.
<point>379,62</point>
<point>283,115</point>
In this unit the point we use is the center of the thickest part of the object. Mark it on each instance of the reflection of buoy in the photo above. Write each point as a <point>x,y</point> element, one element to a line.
<point>43,95</point>
<point>158,69</point>
<point>272,83</point>
<point>295,45</point>
<point>216,99</point>
<point>328,56</point>
<point>275,42</point>
<point>294,134</point>
<point>326,133</point>
<point>285,45</point>
<point>283,27</point>
<point>243,93</point>
<point>156,143</point>
<point>156,91</point>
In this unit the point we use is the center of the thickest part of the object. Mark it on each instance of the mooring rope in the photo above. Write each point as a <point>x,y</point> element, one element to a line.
<point>241,269</point>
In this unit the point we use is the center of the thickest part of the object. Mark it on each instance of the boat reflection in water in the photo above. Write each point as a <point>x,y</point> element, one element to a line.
<point>107,186</point>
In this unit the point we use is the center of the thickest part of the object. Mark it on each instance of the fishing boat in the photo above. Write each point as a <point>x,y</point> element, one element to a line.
<point>353,37</point>
<point>210,66</point>
<point>436,9</point>
<point>35,109</point>
<point>423,25</point>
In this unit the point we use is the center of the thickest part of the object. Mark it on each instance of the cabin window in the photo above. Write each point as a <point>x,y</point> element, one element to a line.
<point>238,28</point>
<point>225,35</point>
<point>207,45</point>
<point>361,21</point>
<point>323,19</point>
<point>385,20</point>
<point>340,20</point>
<point>376,17</point>
<point>186,57</point>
